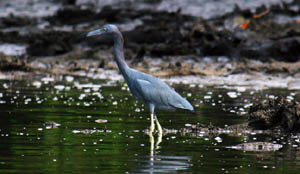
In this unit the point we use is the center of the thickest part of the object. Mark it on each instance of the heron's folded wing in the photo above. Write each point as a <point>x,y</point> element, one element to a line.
<point>159,93</point>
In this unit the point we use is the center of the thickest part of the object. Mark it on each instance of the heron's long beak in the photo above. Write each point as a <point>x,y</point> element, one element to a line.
<point>94,32</point>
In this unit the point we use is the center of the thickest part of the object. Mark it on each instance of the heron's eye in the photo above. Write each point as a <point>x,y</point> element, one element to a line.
<point>104,29</point>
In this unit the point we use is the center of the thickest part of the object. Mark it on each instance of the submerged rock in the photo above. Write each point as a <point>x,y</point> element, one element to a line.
<point>278,113</point>
<point>257,147</point>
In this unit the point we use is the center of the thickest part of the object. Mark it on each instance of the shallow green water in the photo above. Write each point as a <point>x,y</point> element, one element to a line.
<point>28,143</point>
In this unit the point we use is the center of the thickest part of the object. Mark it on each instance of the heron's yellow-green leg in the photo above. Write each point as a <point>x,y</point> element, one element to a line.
<point>152,126</point>
<point>159,128</point>
<point>151,147</point>
<point>159,140</point>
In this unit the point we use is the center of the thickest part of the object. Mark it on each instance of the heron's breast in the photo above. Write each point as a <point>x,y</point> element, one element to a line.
<point>134,91</point>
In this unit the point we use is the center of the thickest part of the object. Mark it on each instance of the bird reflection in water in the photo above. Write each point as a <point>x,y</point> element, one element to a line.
<point>156,163</point>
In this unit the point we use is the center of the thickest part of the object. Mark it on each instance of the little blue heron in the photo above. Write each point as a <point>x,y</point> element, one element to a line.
<point>151,90</point>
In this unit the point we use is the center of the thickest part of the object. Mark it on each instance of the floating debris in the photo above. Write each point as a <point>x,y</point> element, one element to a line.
<point>98,94</point>
<point>69,78</point>
<point>257,147</point>
<point>86,85</point>
<point>101,121</point>
<point>37,84</point>
<point>51,125</point>
<point>46,80</point>
<point>59,87</point>
<point>89,131</point>
<point>232,94</point>
<point>219,139</point>
<point>81,96</point>
<point>188,125</point>
<point>207,97</point>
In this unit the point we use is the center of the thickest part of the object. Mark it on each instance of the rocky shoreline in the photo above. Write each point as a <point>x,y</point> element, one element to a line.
<point>242,34</point>
<point>164,43</point>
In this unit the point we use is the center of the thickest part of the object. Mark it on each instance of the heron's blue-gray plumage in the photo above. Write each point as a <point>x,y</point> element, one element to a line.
<point>154,92</point>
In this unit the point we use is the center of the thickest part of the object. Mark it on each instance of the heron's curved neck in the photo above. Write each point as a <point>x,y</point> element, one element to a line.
<point>119,53</point>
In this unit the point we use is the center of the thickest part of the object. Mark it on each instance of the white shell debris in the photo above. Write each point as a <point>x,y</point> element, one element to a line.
<point>232,94</point>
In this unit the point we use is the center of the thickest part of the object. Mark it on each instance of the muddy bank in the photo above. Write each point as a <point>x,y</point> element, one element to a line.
<point>219,71</point>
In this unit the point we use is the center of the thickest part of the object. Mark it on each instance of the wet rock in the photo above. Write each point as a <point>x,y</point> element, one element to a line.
<point>278,113</point>
<point>16,21</point>
<point>12,37</point>
<point>50,43</point>
<point>109,14</point>
<point>68,2</point>
<point>71,16</point>
<point>286,49</point>
<point>165,49</point>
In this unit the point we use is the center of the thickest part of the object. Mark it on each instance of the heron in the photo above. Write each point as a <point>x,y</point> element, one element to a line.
<point>151,90</point>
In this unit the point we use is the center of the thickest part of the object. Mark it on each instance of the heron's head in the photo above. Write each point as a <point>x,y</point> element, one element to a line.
<point>104,30</point>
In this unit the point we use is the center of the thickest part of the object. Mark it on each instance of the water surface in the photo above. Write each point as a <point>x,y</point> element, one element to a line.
<point>51,125</point>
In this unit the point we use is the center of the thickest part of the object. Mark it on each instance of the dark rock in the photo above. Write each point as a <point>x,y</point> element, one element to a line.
<point>13,21</point>
<point>50,43</point>
<point>71,16</point>
<point>12,37</point>
<point>109,14</point>
<point>276,113</point>
<point>286,49</point>
<point>68,2</point>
